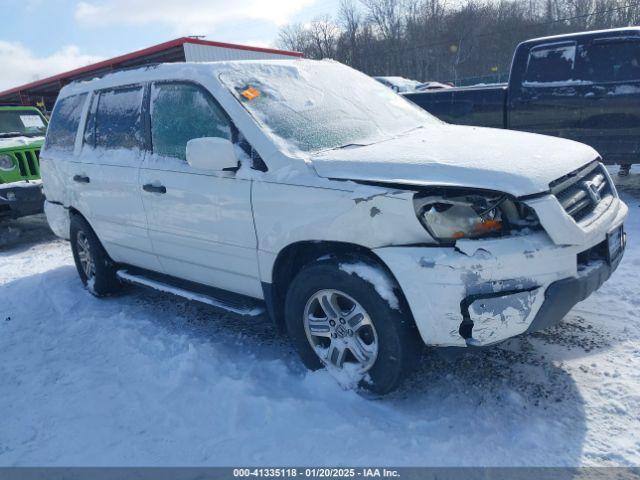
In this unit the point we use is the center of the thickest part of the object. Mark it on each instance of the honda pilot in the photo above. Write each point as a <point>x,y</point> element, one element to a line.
<point>304,190</point>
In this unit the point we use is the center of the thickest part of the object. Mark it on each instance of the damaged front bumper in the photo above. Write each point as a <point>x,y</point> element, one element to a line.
<point>485,291</point>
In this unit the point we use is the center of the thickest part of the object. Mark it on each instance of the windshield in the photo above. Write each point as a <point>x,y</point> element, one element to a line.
<point>15,123</point>
<point>316,106</point>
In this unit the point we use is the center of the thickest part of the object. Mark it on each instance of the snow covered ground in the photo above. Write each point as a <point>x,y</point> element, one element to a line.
<point>147,379</point>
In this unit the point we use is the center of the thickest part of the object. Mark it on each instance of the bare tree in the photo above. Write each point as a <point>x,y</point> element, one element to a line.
<point>454,40</point>
<point>294,37</point>
<point>350,19</point>
<point>323,35</point>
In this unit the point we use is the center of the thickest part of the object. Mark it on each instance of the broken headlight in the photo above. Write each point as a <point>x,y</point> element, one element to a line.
<point>450,215</point>
<point>6,163</point>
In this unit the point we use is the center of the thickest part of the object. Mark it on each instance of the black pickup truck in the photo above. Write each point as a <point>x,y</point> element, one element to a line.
<point>583,86</point>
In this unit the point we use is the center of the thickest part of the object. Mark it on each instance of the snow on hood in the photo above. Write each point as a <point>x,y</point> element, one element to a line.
<point>449,155</point>
<point>19,142</point>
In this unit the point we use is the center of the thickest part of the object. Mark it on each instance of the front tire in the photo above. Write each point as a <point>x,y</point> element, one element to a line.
<point>96,270</point>
<point>339,320</point>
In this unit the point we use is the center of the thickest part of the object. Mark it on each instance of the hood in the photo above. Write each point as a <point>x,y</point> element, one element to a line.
<point>20,142</point>
<point>447,155</point>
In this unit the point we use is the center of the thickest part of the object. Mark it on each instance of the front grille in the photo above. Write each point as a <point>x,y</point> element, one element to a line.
<point>28,163</point>
<point>581,192</point>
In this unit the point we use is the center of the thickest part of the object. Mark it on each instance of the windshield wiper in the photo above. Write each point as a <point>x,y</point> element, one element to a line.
<point>349,145</point>
<point>11,134</point>
<point>412,129</point>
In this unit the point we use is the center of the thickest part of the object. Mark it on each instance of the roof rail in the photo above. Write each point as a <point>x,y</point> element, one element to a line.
<point>144,66</point>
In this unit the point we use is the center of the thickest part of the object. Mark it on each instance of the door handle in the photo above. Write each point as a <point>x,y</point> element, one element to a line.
<point>81,179</point>
<point>154,188</point>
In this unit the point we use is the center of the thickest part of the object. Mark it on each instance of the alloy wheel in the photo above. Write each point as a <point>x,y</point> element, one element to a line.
<point>340,330</point>
<point>84,255</point>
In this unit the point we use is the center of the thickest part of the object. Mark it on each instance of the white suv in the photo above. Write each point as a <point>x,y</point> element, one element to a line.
<point>361,223</point>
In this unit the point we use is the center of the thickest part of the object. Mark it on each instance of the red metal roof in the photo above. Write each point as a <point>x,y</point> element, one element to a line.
<point>116,62</point>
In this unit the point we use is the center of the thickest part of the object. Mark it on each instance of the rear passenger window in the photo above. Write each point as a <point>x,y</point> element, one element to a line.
<point>552,63</point>
<point>65,119</point>
<point>612,61</point>
<point>181,112</point>
<point>118,119</point>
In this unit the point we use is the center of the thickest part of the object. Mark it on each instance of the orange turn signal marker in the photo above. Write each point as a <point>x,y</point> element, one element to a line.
<point>489,226</point>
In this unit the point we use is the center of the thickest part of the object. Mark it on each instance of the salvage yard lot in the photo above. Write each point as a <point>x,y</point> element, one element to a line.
<point>148,379</point>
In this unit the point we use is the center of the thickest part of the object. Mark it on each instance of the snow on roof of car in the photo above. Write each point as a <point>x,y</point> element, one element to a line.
<point>160,70</point>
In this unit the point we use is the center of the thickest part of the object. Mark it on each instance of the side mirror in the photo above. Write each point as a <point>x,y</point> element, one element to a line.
<point>211,153</point>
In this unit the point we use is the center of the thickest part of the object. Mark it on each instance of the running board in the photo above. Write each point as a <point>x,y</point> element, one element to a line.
<point>238,304</point>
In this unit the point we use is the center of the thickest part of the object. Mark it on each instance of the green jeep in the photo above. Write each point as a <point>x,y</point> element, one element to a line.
<point>22,131</point>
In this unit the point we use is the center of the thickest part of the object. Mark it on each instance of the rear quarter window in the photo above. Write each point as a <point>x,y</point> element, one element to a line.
<point>65,119</point>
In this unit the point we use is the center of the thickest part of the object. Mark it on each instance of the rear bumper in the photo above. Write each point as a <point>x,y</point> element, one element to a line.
<point>20,199</point>
<point>58,219</point>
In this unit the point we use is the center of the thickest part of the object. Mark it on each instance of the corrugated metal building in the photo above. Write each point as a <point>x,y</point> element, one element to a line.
<point>43,93</point>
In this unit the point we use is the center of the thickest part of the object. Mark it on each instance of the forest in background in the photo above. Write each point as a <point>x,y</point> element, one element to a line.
<point>449,41</point>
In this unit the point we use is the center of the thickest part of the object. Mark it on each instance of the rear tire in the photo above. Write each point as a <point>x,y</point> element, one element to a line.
<point>96,270</point>
<point>381,347</point>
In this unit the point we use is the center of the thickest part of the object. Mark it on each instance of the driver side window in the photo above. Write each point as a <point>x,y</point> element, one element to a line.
<point>181,112</point>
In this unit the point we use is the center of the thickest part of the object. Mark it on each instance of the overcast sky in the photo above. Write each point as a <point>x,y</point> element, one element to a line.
<point>43,37</point>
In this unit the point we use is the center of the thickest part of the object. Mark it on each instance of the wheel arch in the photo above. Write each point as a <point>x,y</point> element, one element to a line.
<point>75,212</point>
<point>294,257</point>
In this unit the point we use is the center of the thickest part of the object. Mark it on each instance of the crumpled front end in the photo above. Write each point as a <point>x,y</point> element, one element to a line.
<point>482,292</point>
